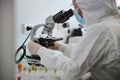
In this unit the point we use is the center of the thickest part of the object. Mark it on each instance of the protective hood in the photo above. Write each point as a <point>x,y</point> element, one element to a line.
<point>95,10</point>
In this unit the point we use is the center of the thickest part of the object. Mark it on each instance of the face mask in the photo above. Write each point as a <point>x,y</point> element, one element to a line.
<point>79,18</point>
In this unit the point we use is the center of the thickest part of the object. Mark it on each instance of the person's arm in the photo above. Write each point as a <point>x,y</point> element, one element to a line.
<point>66,49</point>
<point>67,65</point>
<point>51,59</point>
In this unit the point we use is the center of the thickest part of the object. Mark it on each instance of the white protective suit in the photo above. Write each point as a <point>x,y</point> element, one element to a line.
<point>98,52</point>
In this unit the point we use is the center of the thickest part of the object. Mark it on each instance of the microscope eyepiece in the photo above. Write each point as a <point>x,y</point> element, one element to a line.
<point>63,16</point>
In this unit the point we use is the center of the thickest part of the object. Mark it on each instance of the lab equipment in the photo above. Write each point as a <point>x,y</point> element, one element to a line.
<point>63,16</point>
<point>47,41</point>
<point>60,17</point>
<point>33,59</point>
<point>38,73</point>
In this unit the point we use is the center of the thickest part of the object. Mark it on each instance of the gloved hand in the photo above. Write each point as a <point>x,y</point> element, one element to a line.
<point>55,47</point>
<point>33,47</point>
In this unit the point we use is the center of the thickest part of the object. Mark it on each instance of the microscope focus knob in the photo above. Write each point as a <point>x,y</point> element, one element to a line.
<point>28,28</point>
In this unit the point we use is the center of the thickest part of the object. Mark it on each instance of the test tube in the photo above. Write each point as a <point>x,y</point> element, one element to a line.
<point>19,67</point>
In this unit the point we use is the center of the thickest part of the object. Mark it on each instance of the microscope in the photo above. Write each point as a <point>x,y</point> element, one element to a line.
<point>60,17</point>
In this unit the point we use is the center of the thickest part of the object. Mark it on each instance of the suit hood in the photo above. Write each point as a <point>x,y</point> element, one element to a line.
<point>96,10</point>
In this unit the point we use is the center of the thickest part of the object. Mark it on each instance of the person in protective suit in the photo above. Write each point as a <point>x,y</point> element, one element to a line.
<point>98,51</point>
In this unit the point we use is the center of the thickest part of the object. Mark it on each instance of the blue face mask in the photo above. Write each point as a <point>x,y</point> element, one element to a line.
<point>79,18</point>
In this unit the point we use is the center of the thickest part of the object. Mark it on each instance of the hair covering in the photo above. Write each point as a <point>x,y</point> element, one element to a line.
<point>95,10</point>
